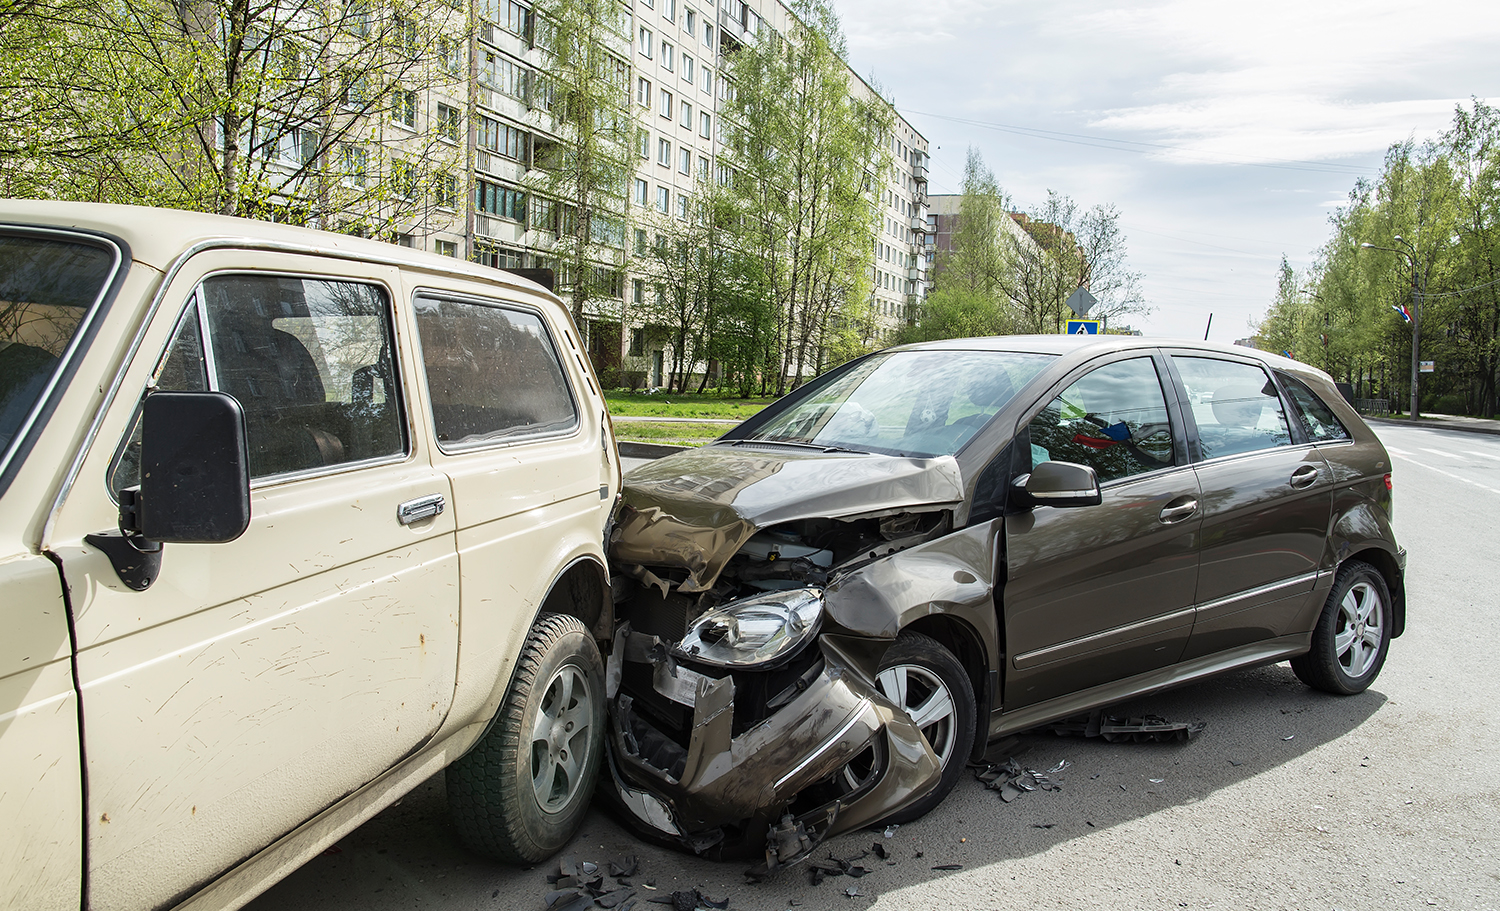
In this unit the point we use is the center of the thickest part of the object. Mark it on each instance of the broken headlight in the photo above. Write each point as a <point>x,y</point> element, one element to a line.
<point>761,630</point>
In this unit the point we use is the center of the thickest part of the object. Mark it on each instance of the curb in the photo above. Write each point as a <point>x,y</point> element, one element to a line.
<point>1460,427</point>
<point>647,450</point>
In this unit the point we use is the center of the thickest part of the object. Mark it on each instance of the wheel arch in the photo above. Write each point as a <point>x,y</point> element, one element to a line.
<point>958,637</point>
<point>1395,580</point>
<point>582,590</point>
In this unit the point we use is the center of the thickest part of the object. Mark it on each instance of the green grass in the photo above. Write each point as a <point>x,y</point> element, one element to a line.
<point>673,434</point>
<point>673,405</point>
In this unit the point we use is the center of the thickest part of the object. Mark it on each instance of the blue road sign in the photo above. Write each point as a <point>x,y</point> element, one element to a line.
<point>1083,327</point>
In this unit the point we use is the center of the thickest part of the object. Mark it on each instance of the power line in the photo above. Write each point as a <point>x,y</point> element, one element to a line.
<point>1123,145</point>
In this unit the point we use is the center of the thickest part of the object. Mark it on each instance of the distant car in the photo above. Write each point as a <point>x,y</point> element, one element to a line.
<point>289,522</point>
<point>827,612</point>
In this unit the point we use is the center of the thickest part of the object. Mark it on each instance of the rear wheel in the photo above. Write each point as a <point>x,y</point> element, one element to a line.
<point>521,793</point>
<point>921,676</point>
<point>1349,643</point>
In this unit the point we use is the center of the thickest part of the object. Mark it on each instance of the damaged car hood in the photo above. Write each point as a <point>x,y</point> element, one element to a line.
<point>693,511</point>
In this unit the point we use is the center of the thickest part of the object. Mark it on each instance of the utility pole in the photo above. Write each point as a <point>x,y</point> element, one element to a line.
<point>1410,253</point>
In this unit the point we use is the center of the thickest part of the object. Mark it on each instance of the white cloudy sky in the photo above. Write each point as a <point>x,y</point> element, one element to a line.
<point>1224,132</point>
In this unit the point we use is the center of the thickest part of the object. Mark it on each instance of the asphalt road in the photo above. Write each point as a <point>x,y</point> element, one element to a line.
<point>1289,799</point>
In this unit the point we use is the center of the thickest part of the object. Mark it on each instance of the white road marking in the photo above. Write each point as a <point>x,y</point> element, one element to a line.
<point>1394,451</point>
<point>1483,455</point>
<point>1447,474</point>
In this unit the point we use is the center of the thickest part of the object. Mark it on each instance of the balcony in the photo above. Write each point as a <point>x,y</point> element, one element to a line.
<point>916,274</point>
<point>919,223</point>
<point>919,172</point>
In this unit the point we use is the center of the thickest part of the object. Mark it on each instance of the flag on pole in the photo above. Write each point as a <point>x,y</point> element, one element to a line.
<point>1401,309</point>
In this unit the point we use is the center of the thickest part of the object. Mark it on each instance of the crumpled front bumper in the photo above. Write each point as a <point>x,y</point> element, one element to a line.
<point>730,790</point>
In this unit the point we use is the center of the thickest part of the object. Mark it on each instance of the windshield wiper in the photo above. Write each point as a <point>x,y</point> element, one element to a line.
<point>798,443</point>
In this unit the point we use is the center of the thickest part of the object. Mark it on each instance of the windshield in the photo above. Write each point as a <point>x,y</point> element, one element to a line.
<point>46,289</point>
<point>914,403</point>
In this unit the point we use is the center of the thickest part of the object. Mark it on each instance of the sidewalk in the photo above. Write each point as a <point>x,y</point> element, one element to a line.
<point>1442,422</point>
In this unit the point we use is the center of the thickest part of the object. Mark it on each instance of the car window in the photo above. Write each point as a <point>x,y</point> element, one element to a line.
<point>917,403</point>
<point>1235,405</point>
<point>309,360</point>
<point>1318,420</point>
<point>1113,419</point>
<point>46,289</point>
<point>492,374</point>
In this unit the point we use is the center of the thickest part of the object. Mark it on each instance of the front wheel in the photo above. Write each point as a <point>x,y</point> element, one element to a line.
<point>922,677</point>
<point>1349,643</point>
<point>521,793</point>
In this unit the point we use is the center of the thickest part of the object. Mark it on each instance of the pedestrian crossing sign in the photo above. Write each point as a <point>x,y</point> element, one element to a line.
<point>1083,327</point>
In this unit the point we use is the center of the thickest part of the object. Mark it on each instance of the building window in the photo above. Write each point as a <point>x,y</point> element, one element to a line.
<point>637,296</point>
<point>445,248</point>
<point>703,169</point>
<point>687,115</point>
<point>544,213</point>
<point>508,78</point>
<point>687,68</point>
<point>706,126</point>
<point>508,14</point>
<point>708,82</point>
<point>445,191</point>
<point>645,42</point>
<point>447,123</point>
<point>692,22</point>
<point>354,90</point>
<point>666,103</point>
<point>449,57</point>
<point>708,32</point>
<point>640,244</point>
<point>666,56</point>
<point>643,143</point>
<point>669,9</point>
<point>642,191</point>
<point>643,92</point>
<point>664,152</point>
<point>663,200</point>
<point>682,205</point>
<point>503,139</point>
<point>498,199</point>
<point>685,161</point>
<point>356,165</point>
<point>404,33</point>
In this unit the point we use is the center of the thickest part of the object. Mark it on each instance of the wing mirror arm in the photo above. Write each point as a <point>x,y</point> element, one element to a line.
<point>195,483</point>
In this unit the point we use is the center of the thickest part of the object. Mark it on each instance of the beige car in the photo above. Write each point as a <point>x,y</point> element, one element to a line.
<point>289,522</point>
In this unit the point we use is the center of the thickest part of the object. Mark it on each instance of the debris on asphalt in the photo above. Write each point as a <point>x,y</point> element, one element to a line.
<point>879,851</point>
<point>690,900</point>
<point>890,831</point>
<point>582,885</point>
<point>1011,780</point>
<point>948,867</point>
<point>1139,729</point>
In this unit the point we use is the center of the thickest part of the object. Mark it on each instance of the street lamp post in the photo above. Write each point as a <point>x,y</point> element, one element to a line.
<point>1411,259</point>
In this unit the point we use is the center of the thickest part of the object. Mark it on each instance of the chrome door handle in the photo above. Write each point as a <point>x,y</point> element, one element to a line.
<point>1179,512</point>
<point>421,508</point>
<point>1304,476</point>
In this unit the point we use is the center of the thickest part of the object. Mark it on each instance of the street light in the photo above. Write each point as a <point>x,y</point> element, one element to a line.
<point>1411,259</point>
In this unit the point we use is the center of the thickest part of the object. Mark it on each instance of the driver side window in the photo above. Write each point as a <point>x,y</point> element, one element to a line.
<point>1113,419</point>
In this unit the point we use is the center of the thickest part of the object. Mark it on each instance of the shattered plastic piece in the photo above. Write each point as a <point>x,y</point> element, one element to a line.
<point>1289,737</point>
<point>1156,780</point>
<point>853,892</point>
<point>1062,766</point>
<point>1043,825</point>
<point>948,867</point>
<point>890,831</point>
<point>879,850</point>
<point>625,866</point>
<point>1141,729</point>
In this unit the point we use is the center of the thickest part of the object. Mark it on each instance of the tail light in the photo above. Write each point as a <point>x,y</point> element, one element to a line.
<point>1387,481</point>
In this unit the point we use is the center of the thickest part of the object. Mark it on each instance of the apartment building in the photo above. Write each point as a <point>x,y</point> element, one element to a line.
<point>942,222</point>
<point>674,51</point>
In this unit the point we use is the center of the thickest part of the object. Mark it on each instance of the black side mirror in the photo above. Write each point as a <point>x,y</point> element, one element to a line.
<point>195,469</point>
<point>1059,484</point>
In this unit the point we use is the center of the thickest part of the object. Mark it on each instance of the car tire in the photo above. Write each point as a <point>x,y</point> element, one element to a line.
<point>521,793</point>
<point>918,672</point>
<point>1349,643</point>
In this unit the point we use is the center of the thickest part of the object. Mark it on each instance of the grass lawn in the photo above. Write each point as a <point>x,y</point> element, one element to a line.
<point>672,405</point>
<point>670,434</point>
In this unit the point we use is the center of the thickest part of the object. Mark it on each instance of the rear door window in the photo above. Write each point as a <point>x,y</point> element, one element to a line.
<point>493,374</point>
<point>1235,405</point>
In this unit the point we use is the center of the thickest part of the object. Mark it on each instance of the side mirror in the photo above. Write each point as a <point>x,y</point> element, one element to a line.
<point>195,469</point>
<point>1060,484</point>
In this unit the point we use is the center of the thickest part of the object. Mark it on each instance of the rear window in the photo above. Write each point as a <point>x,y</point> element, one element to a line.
<point>1316,417</point>
<point>48,287</point>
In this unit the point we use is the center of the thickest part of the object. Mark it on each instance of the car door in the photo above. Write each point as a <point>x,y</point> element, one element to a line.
<point>1267,499</point>
<point>1098,593</point>
<point>256,682</point>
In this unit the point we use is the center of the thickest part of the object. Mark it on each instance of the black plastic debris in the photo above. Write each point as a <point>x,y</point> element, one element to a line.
<point>624,866</point>
<point>1114,729</point>
<point>1011,780</point>
<point>690,900</point>
<point>879,850</point>
<point>948,867</point>
<point>582,886</point>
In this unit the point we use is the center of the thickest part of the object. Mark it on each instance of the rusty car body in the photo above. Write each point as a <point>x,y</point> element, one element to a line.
<point>824,614</point>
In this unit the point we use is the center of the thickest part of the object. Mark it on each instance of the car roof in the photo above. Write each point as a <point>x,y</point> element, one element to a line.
<point>1082,348</point>
<point>156,237</point>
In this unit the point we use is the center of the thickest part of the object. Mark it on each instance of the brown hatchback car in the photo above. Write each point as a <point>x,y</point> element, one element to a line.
<point>826,613</point>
